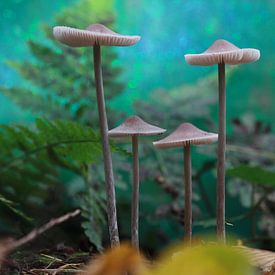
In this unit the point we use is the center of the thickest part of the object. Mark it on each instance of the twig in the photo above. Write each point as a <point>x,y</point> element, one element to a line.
<point>57,270</point>
<point>250,151</point>
<point>167,187</point>
<point>64,268</point>
<point>251,211</point>
<point>11,245</point>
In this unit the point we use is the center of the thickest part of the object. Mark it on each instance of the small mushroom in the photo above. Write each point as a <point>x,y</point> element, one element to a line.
<point>185,135</point>
<point>134,127</point>
<point>95,36</point>
<point>222,52</point>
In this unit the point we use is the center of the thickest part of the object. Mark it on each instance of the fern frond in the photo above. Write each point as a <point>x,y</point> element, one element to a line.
<point>69,141</point>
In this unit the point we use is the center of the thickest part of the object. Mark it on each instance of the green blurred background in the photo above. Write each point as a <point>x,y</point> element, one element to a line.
<point>160,87</point>
<point>168,30</point>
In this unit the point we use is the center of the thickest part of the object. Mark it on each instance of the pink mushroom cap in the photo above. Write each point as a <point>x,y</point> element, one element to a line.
<point>222,51</point>
<point>186,134</point>
<point>95,34</point>
<point>134,125</point>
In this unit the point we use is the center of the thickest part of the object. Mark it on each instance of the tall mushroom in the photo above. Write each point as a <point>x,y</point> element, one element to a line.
<point>95,36</point>
<point>134,127</point>
<point>222,52</point>
<point>184,136</point>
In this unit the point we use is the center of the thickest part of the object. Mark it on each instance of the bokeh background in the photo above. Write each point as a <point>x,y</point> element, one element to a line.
<point>39,78</point>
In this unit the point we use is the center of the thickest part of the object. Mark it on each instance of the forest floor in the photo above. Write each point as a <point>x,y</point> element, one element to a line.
<point>61,260</point>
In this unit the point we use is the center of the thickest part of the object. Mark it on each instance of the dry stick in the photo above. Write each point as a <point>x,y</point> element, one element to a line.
<point>221,155</point>
<point>135,193</point>
<point>38,231</point>
<point>56,271</point>
<point>109,177</point>
<point>188,194</point>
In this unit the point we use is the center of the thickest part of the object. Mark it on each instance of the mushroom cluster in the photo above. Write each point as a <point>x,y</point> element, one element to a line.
<point>221,52</point>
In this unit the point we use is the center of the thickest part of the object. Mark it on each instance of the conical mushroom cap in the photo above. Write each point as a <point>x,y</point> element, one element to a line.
<point>223,51</point>
<point>95,34</point>
<point>134,125</point>
<point>184,135</point>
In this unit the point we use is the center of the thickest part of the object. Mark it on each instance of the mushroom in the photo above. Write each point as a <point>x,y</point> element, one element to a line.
<point>95,36</point>
<point>222,52</point>
<point>184,136</point>
<point>134,127</point>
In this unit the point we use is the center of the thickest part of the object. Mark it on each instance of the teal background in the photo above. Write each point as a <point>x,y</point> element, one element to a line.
<point>169,29</point>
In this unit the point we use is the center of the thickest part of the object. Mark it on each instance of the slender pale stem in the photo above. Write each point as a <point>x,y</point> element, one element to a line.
<point>188,194</point>
<point>221,155</point>
<point>109,177</point>
<point>135,193</point>
<point>253,220</point>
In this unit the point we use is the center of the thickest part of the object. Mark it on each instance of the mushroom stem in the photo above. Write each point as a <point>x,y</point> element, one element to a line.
<point>135,193</point>
<point>109,177</point>
<point>221,155</point>
<point>188,194</point>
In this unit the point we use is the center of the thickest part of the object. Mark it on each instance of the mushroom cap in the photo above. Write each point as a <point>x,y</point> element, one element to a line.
<point>223,51</point>
<point>134,125</point>
<point>186,134</point>
<point>95,34</point>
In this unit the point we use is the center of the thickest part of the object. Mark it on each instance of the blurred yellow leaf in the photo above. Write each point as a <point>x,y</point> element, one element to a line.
<point>120,260</point>
<point>211,259</point>
<point>207,259</point>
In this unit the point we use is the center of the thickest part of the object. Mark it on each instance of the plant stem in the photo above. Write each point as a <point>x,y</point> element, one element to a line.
<point>253,218</point>
<point>109,177</point>
<point>135,193</point>
<point>188,194</point>
<point>17,160</point>
<point>221,155</point>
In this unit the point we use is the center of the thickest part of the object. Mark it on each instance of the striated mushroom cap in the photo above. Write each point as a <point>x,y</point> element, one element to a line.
<point>223,51</point>
<point>95,34</point>
<point>184,135</point>
<point>134,125</point>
